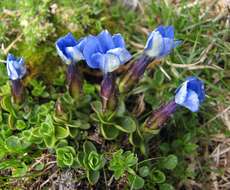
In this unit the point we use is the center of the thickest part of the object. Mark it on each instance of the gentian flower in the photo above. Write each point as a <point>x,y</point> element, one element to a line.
<point>15,67</point>
<point>70,52</point>
<point>105,52</point>
<point>190,94</point>
<point>16,71</point>
<point>69,49</point>
<point>161,42</point>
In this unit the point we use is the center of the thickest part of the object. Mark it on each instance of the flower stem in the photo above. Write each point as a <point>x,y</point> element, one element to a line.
<point>17,91</point>
<point>74,84</point>
<point>135,73</point>
<point>160,116</point>
<point>108,92</point>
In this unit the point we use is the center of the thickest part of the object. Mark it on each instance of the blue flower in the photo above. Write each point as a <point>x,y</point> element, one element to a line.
<point>69,49</point>
<point>190,94</point>
<point>160,42</point>
<point>105,52</point>
<point>15,67</point>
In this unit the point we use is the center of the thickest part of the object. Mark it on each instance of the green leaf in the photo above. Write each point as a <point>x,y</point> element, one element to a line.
<point>122,162</point>
<point>40,166</point>
<point>33,135</point>
<point>73,132</point>
<point>5,90</point>
<point>126,124</point>
<point>61,143</point>
<point>144,171</point>
<point>169,162</point>
<point>158,77</point>
<point>94,117</point>
<point>136,138</point>
<point>157,176</point>
<point>190,148</point>
<point>79,124</point>
<point>109,132</point>
<point>19,170</point>
<point>46,130</point>
<point>20,125</point>
<point>61,132</point>
<point>136,182</point>
<point>120,108</point>
<point>80,158</point>
<point>13,144</point>
<point>49,141</point>
<point>88,88</point>
<point>7,105</point>
<point>11,121</point>
<point>166,186</point>
<point>38,88</point>
<point>3,75</point>
<point>88,147</point>
<point>95,161</point>
<point>97,107</point>
<point>93,176</point>
<point>65,156</point>
<point>130,158</point>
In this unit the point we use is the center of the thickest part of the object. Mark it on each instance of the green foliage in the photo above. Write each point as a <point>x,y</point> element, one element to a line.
<point>91,161</point>
<point>65,156</point>
<point>111,124</point>
<point>51,129</point>
<point>169,162</point>
<point>122,162</point>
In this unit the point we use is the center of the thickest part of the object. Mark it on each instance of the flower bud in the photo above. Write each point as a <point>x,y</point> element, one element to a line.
<point>16,70</point>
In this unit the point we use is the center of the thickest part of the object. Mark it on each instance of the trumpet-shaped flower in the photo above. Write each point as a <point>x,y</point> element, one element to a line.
<point>69,49</point>
<point>105,52</point>
<point>15,67</point>
<point>161,42</point>
<point>190,94</point>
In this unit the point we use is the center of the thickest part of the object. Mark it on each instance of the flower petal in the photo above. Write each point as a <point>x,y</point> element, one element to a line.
<point>121,53</point>
<point>192,101</point>
<point>61,45</point>
<point>10,57</point>
<point>154,45</point>
<point>74,53</point>
<point>169,32</point>
<point>181,93</point>
<point>105,40</point>
<point>167,47</point>
<point>166,31</point>
<point>15,67</point>
<point>118,41</point>
<point>92,46</point>
<point>11,71</point>
<point>66,41</point>
<point>81,43</point>
<point>108,62</point>
<point>197,86</point>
